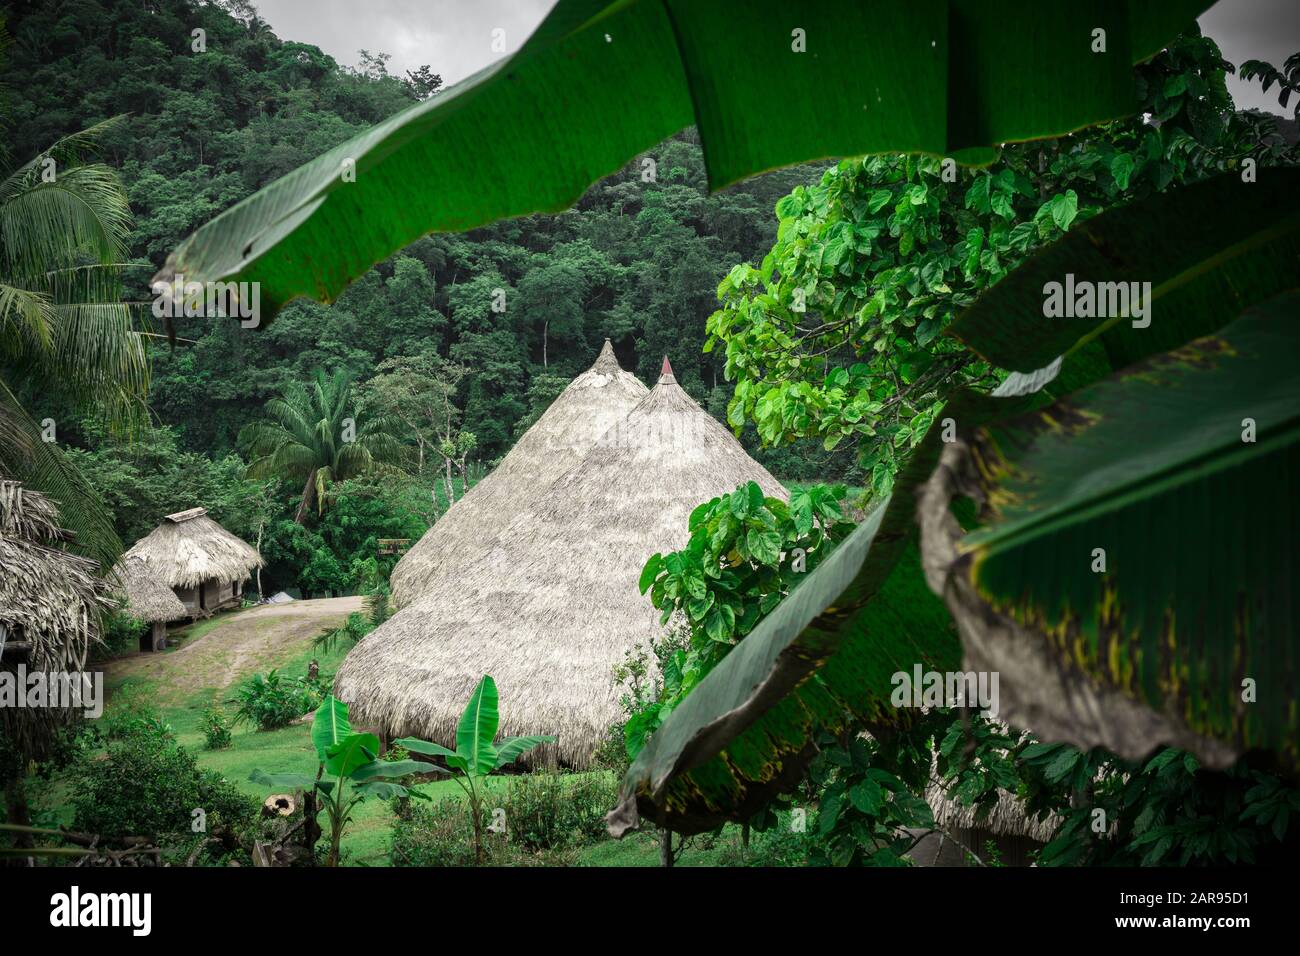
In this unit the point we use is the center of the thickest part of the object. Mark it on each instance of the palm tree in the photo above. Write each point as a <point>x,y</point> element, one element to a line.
<point>63,327</point>
<point>313,439</point>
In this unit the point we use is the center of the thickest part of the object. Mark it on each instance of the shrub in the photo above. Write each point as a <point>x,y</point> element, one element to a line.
<point>780,845</point>
<point>437,834</point>
<point>122,634</point>
<point>216,728</point>
<point>133,714</point>
<point>547,810</point>
<point>146,787</point>
<point>273,700</point>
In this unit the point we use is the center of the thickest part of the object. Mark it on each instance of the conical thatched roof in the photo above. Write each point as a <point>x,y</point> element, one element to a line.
<point>147,597</point>
<point>50,604</point>
<point>554,605</point>
<point>189,547</point>
<point>567,430</point>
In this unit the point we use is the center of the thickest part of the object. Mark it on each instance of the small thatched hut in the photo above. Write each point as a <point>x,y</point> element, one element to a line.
<point>50,607</point>
<point>587,408</point>
<point>1012,831</point>
<point>148,599</point>
<point>203,563</point>
<point>554,605</point>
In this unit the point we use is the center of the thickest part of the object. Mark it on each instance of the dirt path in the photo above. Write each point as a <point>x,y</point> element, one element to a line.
<point>244,641</point>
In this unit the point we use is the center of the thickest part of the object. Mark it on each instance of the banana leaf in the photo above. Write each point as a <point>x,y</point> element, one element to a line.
<point>1134,578</point>
<point>1209,251</point>
<point>765,83</point>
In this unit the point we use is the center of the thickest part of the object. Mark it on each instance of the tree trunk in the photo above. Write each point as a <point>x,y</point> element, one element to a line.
<point>451,489</point>
<point>546,329</point>
<point>301,516</point>
<point>17,813</point>
<point>666,848</point>
<point>260,528</point>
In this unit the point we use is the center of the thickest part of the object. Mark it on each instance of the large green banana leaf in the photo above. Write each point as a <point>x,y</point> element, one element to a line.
<point>600,81</point>
<point>1208,251</point>
<point>823,659</point>
<point>1134,582</point>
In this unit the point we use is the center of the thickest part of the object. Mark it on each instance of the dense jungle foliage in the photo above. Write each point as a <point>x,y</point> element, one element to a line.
<point>637,260</point>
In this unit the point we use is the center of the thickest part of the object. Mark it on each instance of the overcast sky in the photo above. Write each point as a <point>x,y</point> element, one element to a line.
<point>454,37</point>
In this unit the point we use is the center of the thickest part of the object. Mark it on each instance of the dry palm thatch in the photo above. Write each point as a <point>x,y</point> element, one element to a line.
<point>147,597</point>
<point>189,548</point>
<point>1006,818</point>
<point>554,605</point>
<point>51,602</point>
<point>590,405</point>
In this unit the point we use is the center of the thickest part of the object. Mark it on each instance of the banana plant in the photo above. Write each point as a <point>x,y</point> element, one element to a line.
<point>349,771</point>
<point>476,757</point>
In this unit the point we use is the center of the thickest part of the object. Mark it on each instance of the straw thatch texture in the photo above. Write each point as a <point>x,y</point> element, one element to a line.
<point>588,407</point>
<point>554,605</point>
<point>50,604</point>
<point>147,597</point>
<point>189,548</point>
<point>1006,818</point>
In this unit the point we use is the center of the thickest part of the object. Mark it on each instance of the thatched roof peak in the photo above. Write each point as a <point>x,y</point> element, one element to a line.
<point>588,407</point>
<point>606,362</point>
<point>183,553</point>
<point>666,373</point>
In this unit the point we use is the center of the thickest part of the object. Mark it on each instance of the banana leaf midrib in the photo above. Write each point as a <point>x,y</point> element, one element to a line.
<point>1015,534</point>
<point>1195,271</point>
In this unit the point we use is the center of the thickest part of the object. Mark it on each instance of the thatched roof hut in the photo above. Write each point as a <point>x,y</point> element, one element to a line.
<point>147,597</point>
<point>587,408</point>
<point>202,562</point>
<point>1006,818</point>
<point>554,605</point>
<point>50,604</point>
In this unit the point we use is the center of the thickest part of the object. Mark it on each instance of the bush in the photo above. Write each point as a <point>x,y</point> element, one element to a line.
<point>146,787</point>
<point>122,634</point>
<point>550,811</point>
<point>133,714</point>
<point>440,833</point>
<point>273,700</point>
<point>780,845</point>
<point>216,729</point>
<point>437,834</point>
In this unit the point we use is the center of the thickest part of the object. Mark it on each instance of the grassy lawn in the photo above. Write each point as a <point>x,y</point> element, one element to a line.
<point>165,682</point>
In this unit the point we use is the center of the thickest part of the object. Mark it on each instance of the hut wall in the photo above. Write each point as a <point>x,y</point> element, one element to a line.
<point>189,597</point>
<point>155,639</point>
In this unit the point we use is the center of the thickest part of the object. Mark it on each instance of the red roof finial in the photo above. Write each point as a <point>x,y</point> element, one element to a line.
<point>667,369</point>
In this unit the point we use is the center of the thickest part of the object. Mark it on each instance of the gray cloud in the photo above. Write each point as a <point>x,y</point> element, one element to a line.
<point>1254,30</point>
<point>454,36</point>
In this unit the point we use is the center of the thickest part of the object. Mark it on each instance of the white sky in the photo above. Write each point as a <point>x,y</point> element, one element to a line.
<point>454,37</point>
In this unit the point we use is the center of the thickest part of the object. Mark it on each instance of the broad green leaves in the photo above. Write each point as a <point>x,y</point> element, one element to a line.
<point>478,728</point>
<point>476,755</point>
<point>745,553</point>
<point>1211,249</point>
<point>1133,579</point>
<point>349,758</point>
<point>598,81</point>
